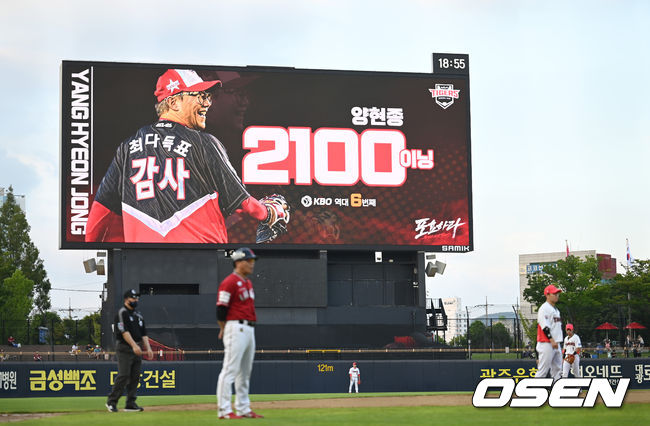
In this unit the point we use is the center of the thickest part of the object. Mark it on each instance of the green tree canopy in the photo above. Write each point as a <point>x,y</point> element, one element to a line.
<point>500,335</point>
<point>529,328</point>
<point>460,340</point>
<point>67,331</point>
<point>630,293</point>
<point>477,334</point>
<point>15,303</point>
<point>577,278</point>
<point>18,252</point>
<point>587,301</point>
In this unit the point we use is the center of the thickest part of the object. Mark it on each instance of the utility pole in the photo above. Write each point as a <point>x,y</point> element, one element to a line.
<point>516,333</point>
<point>629,309</point>
<point>486,304</point>
<point>469,342</point>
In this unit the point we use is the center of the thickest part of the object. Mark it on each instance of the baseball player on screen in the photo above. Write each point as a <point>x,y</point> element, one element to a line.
<point>236,318</point>
<point>549,335</point>
<point>355,378</point>
<point>172,182</point>
<point>571,350</point>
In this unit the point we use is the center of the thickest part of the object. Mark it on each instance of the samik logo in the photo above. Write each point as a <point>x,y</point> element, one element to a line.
<point>533,392</point>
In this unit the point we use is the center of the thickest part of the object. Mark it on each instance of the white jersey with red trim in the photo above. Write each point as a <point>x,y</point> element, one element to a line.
<point>354,373</point>
<point>549,316</point>
<point>571,344</point>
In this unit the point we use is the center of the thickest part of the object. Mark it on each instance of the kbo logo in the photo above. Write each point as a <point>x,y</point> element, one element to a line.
<point>533,392</point>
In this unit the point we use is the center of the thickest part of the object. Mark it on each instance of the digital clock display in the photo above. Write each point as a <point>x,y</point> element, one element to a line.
<point>448,63</point>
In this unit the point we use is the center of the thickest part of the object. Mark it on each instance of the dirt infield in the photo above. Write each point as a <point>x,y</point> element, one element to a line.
<point>453,400</point>
<point>635,397</point>
<point>6,418</point>
<point>379,401</point>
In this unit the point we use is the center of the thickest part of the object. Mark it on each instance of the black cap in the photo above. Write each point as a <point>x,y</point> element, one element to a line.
<point>243,253</point>
<point>131,293</point>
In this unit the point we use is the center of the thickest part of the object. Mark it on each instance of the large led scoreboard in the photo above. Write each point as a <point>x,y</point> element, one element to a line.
<point>366,160</point>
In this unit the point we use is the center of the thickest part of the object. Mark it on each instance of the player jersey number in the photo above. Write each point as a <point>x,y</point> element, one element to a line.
<point>330,156</point>
<point>144,177</point>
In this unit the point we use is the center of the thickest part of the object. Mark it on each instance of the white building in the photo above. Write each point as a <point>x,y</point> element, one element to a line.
<point>456,317</point>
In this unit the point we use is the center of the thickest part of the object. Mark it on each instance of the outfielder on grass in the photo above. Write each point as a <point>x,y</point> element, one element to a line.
<point>355,377</point>
<point>172,182</point>
<point>236,318</point>
<point>549,335</point>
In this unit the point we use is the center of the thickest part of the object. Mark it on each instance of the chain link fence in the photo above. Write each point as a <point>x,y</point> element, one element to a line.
<point>456,338</point>
<point>50,332</point>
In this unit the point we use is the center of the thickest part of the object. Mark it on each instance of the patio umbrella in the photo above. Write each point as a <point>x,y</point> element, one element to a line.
<point>606,326</point>
<point>634,326</point>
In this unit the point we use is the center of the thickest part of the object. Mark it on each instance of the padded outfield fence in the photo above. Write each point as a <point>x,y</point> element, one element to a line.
<point>21,379</point>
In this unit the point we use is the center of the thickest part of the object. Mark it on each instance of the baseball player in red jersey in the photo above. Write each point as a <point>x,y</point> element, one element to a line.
<point>236,318</point>
<point>172,182</point>
<point>549,335</point>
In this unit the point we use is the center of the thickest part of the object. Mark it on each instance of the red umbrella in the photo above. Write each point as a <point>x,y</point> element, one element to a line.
<point>606,326</point>
<point>635,325</point>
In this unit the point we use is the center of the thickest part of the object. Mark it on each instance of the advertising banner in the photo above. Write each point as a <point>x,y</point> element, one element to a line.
<point>216,157</point>
<point>295,376</point>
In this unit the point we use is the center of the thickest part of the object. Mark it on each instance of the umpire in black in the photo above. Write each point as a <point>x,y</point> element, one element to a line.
<point>129,332</point>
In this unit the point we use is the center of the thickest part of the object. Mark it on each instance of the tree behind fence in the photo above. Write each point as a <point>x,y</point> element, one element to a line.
<point>59,331</point>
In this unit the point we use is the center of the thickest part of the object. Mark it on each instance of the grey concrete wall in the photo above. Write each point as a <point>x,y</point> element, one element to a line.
<point>304,299</point>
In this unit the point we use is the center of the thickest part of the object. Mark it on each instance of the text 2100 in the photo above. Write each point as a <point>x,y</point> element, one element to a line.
<point>329,156</point>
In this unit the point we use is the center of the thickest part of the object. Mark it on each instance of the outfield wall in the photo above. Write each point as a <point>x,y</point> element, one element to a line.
<point>270,377</point>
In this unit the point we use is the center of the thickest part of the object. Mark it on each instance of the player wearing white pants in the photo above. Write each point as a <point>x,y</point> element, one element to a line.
<point>572,346</point>
<point>355,378</point>
<point>549,335</point>
<point>550,361</point>
<point>236,317</point>
<point>237,367</point>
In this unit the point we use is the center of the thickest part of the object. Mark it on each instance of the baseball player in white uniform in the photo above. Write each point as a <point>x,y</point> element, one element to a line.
<point>355,377</point>
<point>549,335</point>
<point>572,346</point>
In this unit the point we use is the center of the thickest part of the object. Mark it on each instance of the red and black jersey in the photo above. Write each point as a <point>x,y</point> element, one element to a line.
<point>236,293</point>
<point>167,183</point>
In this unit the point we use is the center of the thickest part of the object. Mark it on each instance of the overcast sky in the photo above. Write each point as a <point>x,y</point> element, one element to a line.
<point>559,105</point>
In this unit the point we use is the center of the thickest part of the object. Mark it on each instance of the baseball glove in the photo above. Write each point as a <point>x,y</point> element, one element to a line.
<point>276,221</point>
<point>570,358</point>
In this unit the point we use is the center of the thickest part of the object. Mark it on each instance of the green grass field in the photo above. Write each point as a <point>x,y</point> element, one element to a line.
<point>90,410</point>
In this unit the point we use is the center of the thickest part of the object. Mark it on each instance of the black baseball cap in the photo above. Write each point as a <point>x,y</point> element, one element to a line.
<point>243,253</point>
<point>131,293</point>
